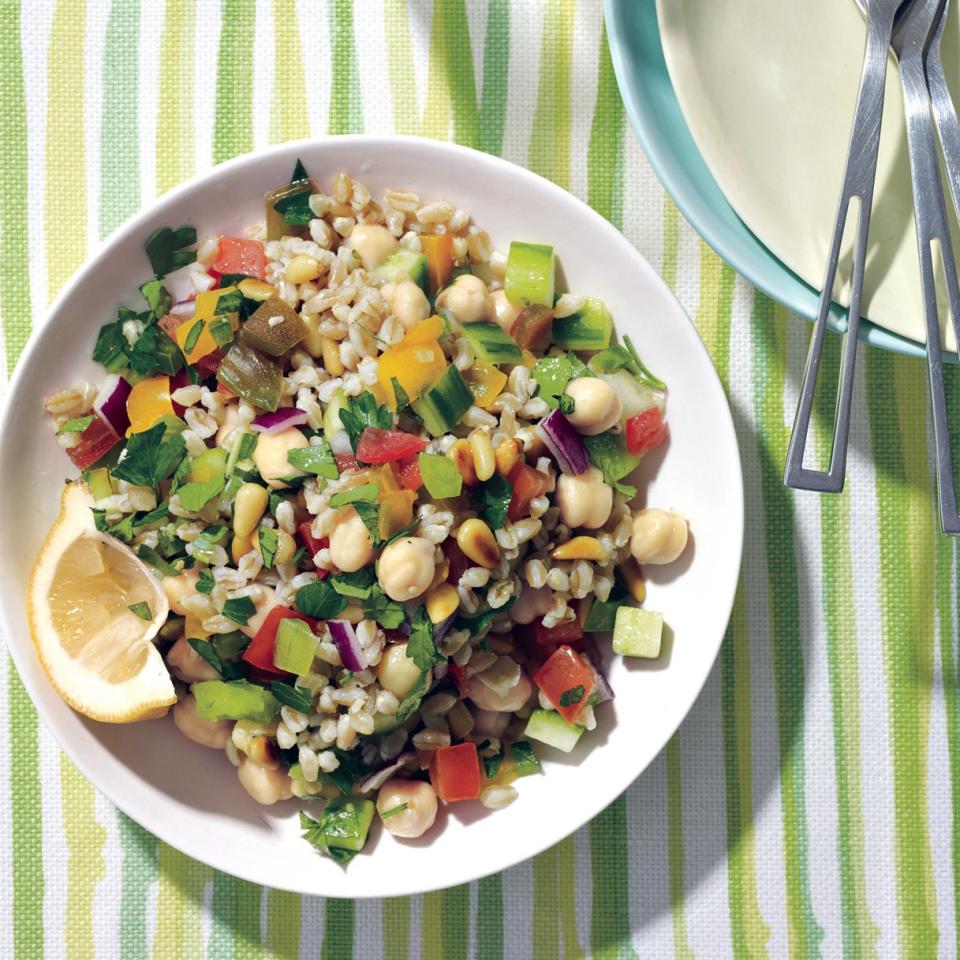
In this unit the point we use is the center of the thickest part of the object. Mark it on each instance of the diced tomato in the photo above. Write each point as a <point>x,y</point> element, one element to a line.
<point>169,324</point>
<point>384,446</point>
<point>346,461</point>
<point>455,772</point>
<point>207,366</point>
<point>561,633</point>
<point>240,256</point>
<point>645,431</point>
<point>566,680</point>
<point>93,443</point>
<point>457,560</point>
<point>528,484</point>
<point>259,653</point>
<point>540,642</point>
<point>407,472</point>
<point>312,545</point>
<point>460,678</point>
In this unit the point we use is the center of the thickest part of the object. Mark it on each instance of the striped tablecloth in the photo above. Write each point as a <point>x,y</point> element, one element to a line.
<point>806,807</point>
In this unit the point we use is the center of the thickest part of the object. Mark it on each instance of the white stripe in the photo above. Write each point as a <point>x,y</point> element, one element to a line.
<point>368,928</point>
<point>96,30</point>
<point>420,19</point>
<point>371,45</point>
<point>311,927</point>
<point>6,808</point>
<point>477,13</point>
<point>584,82</point>
<point>205,61</point>
<point>148,93</point>
<point>263,92</point>
<point>643,221</point>
<point>108,894</point>
<point>55,854</point>
<point>523,74</point>
<point>518,910</point>
<point>314,43</point>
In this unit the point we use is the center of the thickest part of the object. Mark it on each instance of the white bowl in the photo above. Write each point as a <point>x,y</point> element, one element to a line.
<point>189,796</point>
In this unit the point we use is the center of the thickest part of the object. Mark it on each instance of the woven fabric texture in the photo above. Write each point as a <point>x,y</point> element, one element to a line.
<point>807,806</point>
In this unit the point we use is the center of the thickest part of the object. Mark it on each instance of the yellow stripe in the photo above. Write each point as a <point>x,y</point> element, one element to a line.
<point>290,119</point>
<point>403,82</point>
<point>175,128</point>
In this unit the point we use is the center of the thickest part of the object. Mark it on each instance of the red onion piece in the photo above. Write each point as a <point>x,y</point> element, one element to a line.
<point>604,691</point>
<point>442,629</point>
<point>279,420</point>
<point>376,780</point>
<point>564,443</point>
<point>489,723</point>
<point>111,403</point>
<point>348,646</point>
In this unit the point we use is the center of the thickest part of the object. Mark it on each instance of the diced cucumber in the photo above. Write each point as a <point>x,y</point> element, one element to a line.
<point>550,728</point>
<point>346,821</point>
<point>414,265</point>
<point>590,328</point>
<point>99,483</point>
<point>635,396</point>
<point>234,700</point>
<point>331,416</point>
<point>637,633</point>
<point>295,647</point>
<point>531,270</point>
<point>491,344</point>
<point>442,406</point>
<point>524,759</point>
<point>209,465</point>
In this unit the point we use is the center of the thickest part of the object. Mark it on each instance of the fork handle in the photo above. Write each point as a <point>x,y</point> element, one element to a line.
<point>858,182</point>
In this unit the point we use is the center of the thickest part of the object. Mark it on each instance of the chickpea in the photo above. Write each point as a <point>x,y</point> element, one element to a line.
<point>350,545</point>
<point>467,299</point>
<point>659,536</point>
<point>231,420</point>
<point>513,699</point>
<point>532,604</point>
<point>176,588</point>
<point>270,455</point>
<point>396,671</point>
<point>267,601</point>
<point>406,568</point>
<point>373,243</point>
<point>408,303</point>
<point>187,665</point>
<point>596,405</point>
<point>208,733</point>
<point>265,784</point>
<point>505,313</point>
<point>584,500</point>
<point>494,723</point>
<point>420,812</point>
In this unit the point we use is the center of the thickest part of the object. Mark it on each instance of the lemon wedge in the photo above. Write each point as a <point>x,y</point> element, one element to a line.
<point>97,653</point>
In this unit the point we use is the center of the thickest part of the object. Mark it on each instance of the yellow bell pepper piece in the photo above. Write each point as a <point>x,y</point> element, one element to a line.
<point>426,330</point>
<point>396,512</point>
<point>384,478</point>
<point>528,359</point>
<point>485,382</point>
<point>415,368</point>
<point>205,309</point>
<point>149,400</point>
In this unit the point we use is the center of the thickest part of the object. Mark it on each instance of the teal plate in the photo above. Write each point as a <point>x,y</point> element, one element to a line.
<point>656,116</point>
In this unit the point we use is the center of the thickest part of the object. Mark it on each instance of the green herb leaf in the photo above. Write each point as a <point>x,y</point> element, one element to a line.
<point>149,457</point>
<point>193,335</point>
<point>76,425</point>
<point>393,811</point>
<point>165,248</point>
<point>524,759</point>
<point>154,353</point>
<point>573,696</point>
<point>316,459</point>
<point>494,496</point>
<point>299,172</point>
<point>440,475</point>
<point>642,373</point>
<point>369,513</point>
<point>157,297</point>
<point>362,412</point>
<point>239,610</point>
<point>247,444</point>
<point>149,555</point>
<point>357,585</point>
<point>351,769</point>
<point>320,600</point>
<point>157,515</point>
<point>608,453</point>
<point>552,374</point>
<point>410,704</point>
<point>421,647</point>
<point>492,765</point>
<point>366,493</point>
<point>314,832</point>
<point>400,394</point>
<point>479,622</point>
<point>299,698</point>
<point>566,403</point>
<point>580,369</point>
<point>142,610</point>
<point>196,495</point>
<point>205,581</point>
<point>209,538</point>
<point>111,348</point>
<point>378,606</point>
<point>268,539</point>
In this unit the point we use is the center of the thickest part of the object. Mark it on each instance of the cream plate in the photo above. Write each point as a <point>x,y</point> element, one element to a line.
<point>190,796</point>
<point>768,91</point>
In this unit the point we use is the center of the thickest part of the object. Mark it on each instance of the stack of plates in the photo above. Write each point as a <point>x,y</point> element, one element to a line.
<point>744,110</point>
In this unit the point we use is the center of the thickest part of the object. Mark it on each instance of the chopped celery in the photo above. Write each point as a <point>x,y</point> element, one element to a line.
<point>637,633</point>
<point>491,344</point>
<point>442,406</point>
<point>251,376</point>
<point>531,270</point>
<point>295,647</point>
<point>589,328</point>
<point>440,475</point>
<point>234,700</point>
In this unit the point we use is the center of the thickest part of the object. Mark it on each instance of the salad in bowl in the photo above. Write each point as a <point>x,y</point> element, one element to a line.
<point>354,506</point>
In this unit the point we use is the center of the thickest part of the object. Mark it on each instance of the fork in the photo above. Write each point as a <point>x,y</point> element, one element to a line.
<point>858,184</point>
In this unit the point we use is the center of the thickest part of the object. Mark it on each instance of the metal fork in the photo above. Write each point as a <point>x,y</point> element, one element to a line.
<point>858,183</point>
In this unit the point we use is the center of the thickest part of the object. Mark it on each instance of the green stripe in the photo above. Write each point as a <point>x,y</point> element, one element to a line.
<point>175,119</point>
<point>489,936</point>
<point>403,80</point>
<point>769,340</point>
<point>605,150</point>
<point>178,930</point>
<point>549,153</point>
<point>283,925</point>
<point>346,110</point>
<point>455,918</point>
<point>235,919</point>
<point>233,120</point>
<point>431,929</point>
<point>671,244</point>
<point>859,932</point>
<point>396,928</point>
<point>337,930</point>
<point>289,119</point>
<point>610,936</point>
<point>675,851</point>
<point>14,249</point>
<point>119,133</point>
<point>545,933</point>
<point>897,391</point>
<point>496,64</point>
<point>458,56</point>
<point>138,874</point>
<point>567,902</point>
<point>438,107</point>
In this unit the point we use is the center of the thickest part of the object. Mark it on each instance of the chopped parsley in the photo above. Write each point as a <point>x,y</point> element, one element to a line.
<point>221,329</point>
<point>351,769</point>
<point>494,496</point>
<point>158,299</point>
<point>492,765</point>
<point>205,582</point>
<point>298,698</point>
<point>268,540</point>
<point>149,555</point>
<point>110,350</point>
<point>369,513</point>
<point>421,647</point>
<point>365,493</point>
<point>573,696</point>
<point>357,585</point>
<point>154,352</point>
<point>196,495</point>
<point>295,205</point>
<point>205,543</point>
<point>142,610</point>
<point>166,249</point>
<point>608,453</point>
<point>315,459</point>
<point>239,610</point>
<point>378,606</point>
<point>150,456</point>
<point>221,652</point>
<point>362,412</point>
<point>76,425</point>
<point>479,622</point>
<point>410,704</point>
<point>320,600</point>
